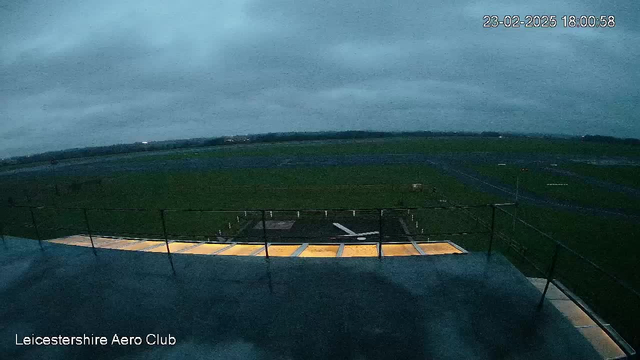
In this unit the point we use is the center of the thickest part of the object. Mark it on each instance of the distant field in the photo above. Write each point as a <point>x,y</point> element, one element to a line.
<point>407,145</point>
<point>363,186</point>
<point>432,145</point>
<point>623,175</point>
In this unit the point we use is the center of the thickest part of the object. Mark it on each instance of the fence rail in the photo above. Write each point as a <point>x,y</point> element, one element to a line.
<point>259,210</point>
<point>575,253</point>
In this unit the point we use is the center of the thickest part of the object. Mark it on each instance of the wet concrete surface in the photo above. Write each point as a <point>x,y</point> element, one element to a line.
<point>439,307</point>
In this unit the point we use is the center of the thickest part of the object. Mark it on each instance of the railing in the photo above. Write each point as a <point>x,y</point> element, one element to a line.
<point>204,224</point>
<point>476,228</point>
<point>599,290</point>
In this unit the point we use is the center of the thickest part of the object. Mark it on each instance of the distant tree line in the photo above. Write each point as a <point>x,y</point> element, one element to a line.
<point>54,156</point>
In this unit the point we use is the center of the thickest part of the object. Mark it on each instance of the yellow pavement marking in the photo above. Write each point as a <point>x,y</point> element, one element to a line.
<point>159,249</point>
<point>142,245</point>
<point>439,249</point>
<point>71,240</point>
<point>572,312</point>
<point>205,249</point>
<point>177,246</point>
<point>101,242</point>
<point>241,250</point>
<point>115,243</point>
<point>399,250</point>
<point>360,251</point>
<point>320,251</point>
<point>85,242</point>
<point>603,344</point>
<point>280,250</point>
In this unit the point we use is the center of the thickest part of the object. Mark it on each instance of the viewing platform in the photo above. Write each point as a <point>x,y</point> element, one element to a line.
<point>465,306</point>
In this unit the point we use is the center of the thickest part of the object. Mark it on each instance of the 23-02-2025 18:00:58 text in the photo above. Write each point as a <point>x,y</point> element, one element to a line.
<point>549,21</point>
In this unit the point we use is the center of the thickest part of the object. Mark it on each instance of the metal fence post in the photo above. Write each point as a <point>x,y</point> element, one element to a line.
<point>86,220</point>
<point>164,231</point>
<point>166,240</point>
<point>493,227</point>
<point>35,226</point>
<point>550,274</point>
<point>379,233</point>
<point>264,234</point>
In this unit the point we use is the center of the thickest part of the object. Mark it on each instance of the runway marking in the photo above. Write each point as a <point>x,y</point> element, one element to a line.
<point>69,240</point>
<point>115,244</point>
<point>320,251</point>
<point>178,247</point>
<point>240,250</point>
<point>280,250</point>
<point>439,248</point>
<point>356,250</point>
<point>399,250</point>
<point>344,228</point>
<point>142,245</point>
<point>203,249</point>
<point>133,242</point>
<point>158,249</point>
<point>350,233</point>
<point>276,250</point>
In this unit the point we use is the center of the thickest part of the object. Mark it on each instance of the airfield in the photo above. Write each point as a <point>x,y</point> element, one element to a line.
<point>216,195</point>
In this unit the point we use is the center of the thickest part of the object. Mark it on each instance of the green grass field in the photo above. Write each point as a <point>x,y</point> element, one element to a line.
<point>331,187</point>
<point>623,175</point>
<point>609,242</point>
<point>536,180</point>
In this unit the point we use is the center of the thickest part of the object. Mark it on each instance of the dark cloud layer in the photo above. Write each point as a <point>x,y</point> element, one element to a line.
<point>83,73</point>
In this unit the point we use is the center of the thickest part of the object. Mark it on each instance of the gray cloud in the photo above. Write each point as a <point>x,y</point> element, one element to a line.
<point>84,73</point>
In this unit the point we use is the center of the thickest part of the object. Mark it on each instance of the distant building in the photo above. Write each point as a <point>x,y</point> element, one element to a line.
<point>236,139</point>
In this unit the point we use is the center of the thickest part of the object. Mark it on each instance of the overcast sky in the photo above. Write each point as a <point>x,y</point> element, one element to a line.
<point>80,73</point>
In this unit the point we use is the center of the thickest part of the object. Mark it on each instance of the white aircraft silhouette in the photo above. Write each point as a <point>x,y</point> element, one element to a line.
<point>351,233</point>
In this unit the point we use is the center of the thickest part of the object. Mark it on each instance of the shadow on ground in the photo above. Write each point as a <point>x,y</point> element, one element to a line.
<point>441,307</point>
